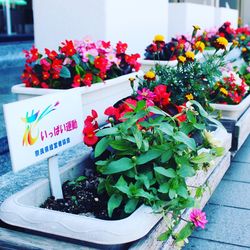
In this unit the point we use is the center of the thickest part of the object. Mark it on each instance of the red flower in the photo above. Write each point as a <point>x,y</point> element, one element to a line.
<point>121,47</point>
<point>46,75</point>
<point>101,64</point>
<point>51,54</point>
<point>57,65</point>
<point>161,95</point>
<point>44,85</point>
<point>106,45</point>
<point>68,48</point>
<point>45,64</point>
<point>87,80</point>
<point>76,81</point>
<point>132,60</point>
<point>32,55</point>
<point>35,80</point>
<point>112,111</point>
<point>183,117</point>
<point>56,75</point>
<point>89,136</point>
<point>91,120</point>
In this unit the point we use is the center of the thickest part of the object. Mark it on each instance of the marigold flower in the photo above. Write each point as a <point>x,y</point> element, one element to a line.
<point>196,27</point>
<point>159,38</point>
<point>150,75</point>
<point>198,218</point>
<point>244,50</point>
<point>190,55</point>
<point>242,38</point>
<point>224,91</point>
<point>235,43</point>
<point>189,96</point>
<point>199,46</point>
<point>221,42</point>
<point>181,59</point>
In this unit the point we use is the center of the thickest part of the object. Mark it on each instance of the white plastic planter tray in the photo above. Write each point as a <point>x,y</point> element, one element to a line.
<point>22,209</point>
<point>98,97</point>
<point>233,112</point>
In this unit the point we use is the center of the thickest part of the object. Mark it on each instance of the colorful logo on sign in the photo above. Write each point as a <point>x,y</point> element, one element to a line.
<point>31,133</point>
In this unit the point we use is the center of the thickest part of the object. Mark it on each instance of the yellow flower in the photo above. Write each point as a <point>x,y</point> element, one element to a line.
<point>149,75</point>
<point>222,42</point>
<point>209,137</point>
<point>182,59</point>
<point>244,49</point>
<point>196,27</point>
<point>159,38</point>
<point>242,38</point>
<point>190,55</point>
<point>224,91</point>
<point>190,96</point>
<point>131,79</point>
<point>235,43</point>
<point>199,46</point>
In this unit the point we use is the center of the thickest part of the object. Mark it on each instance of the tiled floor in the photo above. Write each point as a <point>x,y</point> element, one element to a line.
<point>228,210</point>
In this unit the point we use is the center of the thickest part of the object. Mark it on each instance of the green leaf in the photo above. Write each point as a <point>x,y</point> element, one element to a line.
<point>148,156</point>
<point>156,111</point>
<point>186,171</point>
<point>144,194</point>
<point>101,163</point>
<point>122,186</point>
<point>164,188</point>
<point>185,232</point>
<point>166,156</point>
<point>166,129</point>
<point>140,105</point>
<point>107,131</point>
<point>114,201</point>
<point>199,126</point>
<point>118,166</point>
<point>131,206</point>
<point>101,146</point>
<point>182,191</point>
<point>172,193</point>
<point>120,145</point>
<point>145,144</point>
<point>169,172</point>
<point>81,178</point>
<point>203,157</point>
<point>219,151</point>
<point>138,137</point>
<point>181,137</point>
<point>91,59</point>
<point>76,58</point>
<point>199,192</point>
<point>164,236</point>
<point>65,73</point>
<point>191,117</point>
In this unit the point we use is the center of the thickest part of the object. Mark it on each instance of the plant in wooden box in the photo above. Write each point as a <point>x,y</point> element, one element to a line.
<point>143,156</point>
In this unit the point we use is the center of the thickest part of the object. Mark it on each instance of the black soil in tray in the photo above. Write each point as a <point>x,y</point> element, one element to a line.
<point>81,197</point>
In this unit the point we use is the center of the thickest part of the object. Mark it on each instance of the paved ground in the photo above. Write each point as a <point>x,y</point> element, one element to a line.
<point>228,210</point>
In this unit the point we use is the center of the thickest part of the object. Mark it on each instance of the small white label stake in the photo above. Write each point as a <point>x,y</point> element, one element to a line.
<point>54,177</point>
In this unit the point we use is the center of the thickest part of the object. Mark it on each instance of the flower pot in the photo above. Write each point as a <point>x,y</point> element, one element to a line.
<point>232,112</point>
<point>22,209</point>
<point>98,97</point>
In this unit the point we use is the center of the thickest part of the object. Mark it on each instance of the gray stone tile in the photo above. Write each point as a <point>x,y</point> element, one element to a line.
<point>5,164</point>
<point>247,142</point>
<point>243,155</point>
<point>201,244</point>
<point>229,225</point>
<point>11,183</point>
<point>238,171</point>
<point>231,193</point>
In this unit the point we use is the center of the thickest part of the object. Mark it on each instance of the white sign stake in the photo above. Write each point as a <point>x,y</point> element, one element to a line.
<point>54,177</point>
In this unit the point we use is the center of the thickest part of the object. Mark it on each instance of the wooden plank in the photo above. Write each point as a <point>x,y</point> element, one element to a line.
<point>150,241</point>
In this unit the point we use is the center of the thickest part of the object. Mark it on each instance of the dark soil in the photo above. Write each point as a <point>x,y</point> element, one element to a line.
<point>81,197</point>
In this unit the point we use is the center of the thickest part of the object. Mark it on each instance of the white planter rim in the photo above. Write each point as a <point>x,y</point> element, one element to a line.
<point>21,89</point>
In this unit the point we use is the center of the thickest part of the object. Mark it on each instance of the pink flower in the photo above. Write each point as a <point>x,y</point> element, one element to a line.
<point>198,218</point>
<point>248,69</point>
<point>145,94</point>
<point>87,53</point>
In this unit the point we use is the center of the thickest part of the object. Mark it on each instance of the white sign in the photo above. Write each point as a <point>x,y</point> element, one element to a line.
<point>40,127</point>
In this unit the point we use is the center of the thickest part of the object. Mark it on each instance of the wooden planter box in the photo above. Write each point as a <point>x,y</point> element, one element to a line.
<point>22,209</point>
<point>98,97</point>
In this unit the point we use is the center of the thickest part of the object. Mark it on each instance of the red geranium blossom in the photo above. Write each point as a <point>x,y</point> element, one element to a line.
<point>68,48</point>
<point>161,95</point>
<point>101,63</point>
<point>121,47</point>
<point>32,55</point>
<point>89,136</point>
<point>51,54</point>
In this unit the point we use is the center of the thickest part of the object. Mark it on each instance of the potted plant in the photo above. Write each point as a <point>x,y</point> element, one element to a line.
<point>100,71</point>
<point>167,53</point>
<point>146,164</point>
